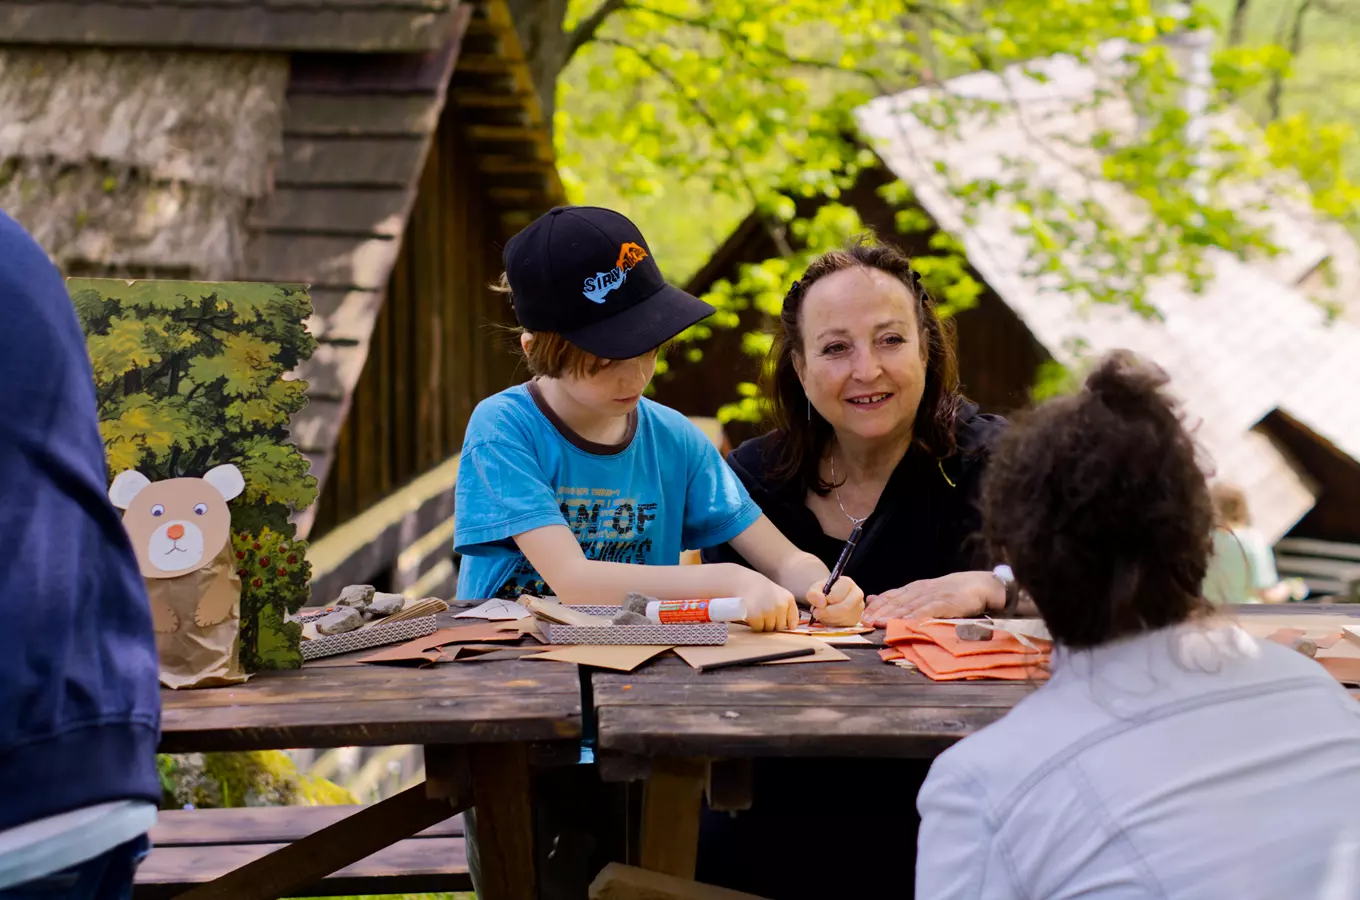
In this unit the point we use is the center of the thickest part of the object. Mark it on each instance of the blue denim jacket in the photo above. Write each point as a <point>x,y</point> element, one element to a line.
<point>1189,763</point>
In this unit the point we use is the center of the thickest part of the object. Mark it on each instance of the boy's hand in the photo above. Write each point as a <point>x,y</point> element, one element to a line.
<point>768,606</point>
<point>843,607</point>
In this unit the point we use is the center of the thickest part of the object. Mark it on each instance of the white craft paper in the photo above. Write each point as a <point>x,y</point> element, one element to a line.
<point>496,611</point>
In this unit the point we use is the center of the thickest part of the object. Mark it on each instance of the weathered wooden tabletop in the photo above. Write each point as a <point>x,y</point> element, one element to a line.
<point>862,707</point>
<point>510,701</point>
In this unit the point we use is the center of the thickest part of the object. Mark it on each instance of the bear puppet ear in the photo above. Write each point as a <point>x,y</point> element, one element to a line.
<point>126,487</point>
<point>227,479</point>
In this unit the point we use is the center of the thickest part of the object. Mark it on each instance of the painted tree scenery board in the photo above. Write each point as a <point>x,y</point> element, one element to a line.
<point>189,377</point>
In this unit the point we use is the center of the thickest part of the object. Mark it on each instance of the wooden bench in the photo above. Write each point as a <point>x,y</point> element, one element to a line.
<point>192,847</point>
<point>1329,568</point>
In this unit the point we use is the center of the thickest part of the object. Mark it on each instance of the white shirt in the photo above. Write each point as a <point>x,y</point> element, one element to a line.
<point>1187,763</point>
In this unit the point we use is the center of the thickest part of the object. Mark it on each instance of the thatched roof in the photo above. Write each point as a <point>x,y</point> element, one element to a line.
<point>134,161</point>
<point>1254,343</point>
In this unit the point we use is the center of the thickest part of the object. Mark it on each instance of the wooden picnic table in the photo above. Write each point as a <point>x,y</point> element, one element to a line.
<point>478,723</point>
<point>684,731</point>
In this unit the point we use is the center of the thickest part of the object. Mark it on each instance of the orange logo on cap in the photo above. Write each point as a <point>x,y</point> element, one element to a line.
<point>601,283</point>
<point>630,255</point>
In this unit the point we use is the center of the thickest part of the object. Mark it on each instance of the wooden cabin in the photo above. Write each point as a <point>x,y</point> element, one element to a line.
<point>381,151</point>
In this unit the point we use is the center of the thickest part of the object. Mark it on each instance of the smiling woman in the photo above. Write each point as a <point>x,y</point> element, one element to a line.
<point>872,430</point>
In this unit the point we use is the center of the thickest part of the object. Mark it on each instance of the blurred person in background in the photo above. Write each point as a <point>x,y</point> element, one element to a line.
<point>80,702</point>
<point>1170,754</point>
<point>1242,567</point>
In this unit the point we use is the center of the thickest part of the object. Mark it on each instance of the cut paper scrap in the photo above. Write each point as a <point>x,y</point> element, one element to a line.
<point>502,653</point>
<point>1287,636</point>
<point>941,633</point>
<point>742,643</point>
<point>911,654</point>
<point>496,611</point>
<point>816,629</point>
<point>563,614</point>
<point>401,655</point>
<point>620,657</point>
<point>843,640</point>
<point>940,660</point>
<point>419,649</point>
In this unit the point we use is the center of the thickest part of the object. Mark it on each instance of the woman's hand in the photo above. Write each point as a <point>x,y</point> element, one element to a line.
<point>959,595</point>
<point>769,607</point>
<point>844,606</point>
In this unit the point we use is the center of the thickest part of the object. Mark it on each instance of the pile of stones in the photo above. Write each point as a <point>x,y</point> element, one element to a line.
<point>357,605</point>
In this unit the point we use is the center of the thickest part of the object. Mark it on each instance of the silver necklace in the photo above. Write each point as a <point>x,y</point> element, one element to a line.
<point>855,521</point>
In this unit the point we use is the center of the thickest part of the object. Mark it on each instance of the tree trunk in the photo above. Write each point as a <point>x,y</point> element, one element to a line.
<point>1295,48</point>
<point>1239,23</point>
<point>547,46</point>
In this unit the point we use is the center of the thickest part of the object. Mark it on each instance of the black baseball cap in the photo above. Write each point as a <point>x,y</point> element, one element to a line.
<point>587,274</point>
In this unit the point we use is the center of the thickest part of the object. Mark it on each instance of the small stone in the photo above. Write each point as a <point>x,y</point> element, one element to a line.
<point>628,617</point>
<point>637,603</point>
<point>357,596</point>
<point>1306,647</point>
<point>972,631</point>
<point>384,605</point>
<point>340,621</point>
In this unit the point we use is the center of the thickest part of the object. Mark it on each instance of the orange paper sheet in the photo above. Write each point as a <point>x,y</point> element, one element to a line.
<point>942,634</point>
<point>910,652</point>
<point>942,661</point>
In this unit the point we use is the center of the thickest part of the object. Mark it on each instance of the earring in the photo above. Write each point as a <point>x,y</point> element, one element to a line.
<point>809,403</point>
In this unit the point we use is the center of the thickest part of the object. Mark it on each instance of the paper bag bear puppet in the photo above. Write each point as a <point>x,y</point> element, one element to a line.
<point>181,530</point>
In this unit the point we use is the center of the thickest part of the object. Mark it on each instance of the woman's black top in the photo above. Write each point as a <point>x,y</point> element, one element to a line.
<point>926,523</point>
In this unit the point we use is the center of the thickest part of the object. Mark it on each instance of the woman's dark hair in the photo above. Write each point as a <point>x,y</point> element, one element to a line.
<point>1098,502</point>
<point>805,434</point>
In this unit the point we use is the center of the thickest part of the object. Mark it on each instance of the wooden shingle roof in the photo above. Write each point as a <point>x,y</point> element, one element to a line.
<point>278,25</point>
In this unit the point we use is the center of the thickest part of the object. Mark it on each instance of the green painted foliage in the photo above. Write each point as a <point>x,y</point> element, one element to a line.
<point>189,376</point>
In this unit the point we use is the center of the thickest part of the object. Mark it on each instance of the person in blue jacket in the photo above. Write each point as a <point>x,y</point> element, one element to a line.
<point>79,698</point>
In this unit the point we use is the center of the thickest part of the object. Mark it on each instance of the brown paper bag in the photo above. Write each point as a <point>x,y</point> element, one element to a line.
<point>180,529</point>
<point>194,655</point>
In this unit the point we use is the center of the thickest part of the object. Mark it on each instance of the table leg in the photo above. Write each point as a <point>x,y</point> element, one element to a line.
<point>299,865</point>
<point>505,823</point>
<point>672,803</point>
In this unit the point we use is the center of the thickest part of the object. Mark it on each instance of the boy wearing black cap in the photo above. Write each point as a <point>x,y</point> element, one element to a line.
<point>574,485</point>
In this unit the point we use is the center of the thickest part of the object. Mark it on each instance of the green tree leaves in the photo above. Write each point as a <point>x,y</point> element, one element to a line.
<point>688,114</point>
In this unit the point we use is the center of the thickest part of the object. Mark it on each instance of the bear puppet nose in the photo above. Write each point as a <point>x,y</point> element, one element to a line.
<point>175,532</point>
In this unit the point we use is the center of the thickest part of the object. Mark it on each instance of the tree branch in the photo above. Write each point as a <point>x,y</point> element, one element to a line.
<point>1239,23</point>
<point>585,30</point>
<point>1295,46</point>
<point>740,44</point>
<point>776,234</point>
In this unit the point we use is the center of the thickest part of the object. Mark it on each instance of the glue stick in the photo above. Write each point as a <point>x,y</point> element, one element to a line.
<point>689,612</point>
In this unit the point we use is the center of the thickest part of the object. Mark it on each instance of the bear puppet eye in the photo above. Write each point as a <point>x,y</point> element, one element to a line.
<point>201,509</point>
<point>158,510</point>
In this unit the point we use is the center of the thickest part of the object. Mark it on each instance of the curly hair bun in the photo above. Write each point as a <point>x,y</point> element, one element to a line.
<point>1098,501</point>
<point>1126,383</point>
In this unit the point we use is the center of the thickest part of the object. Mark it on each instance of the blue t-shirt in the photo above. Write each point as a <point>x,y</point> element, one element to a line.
<point>663,490</point>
